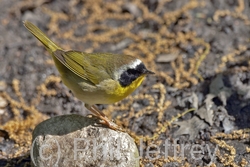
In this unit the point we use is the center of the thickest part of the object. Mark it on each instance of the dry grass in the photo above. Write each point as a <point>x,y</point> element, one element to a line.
<point>146,46</point>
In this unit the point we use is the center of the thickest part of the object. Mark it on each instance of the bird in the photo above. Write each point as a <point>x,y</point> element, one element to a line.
<point>95,78</point>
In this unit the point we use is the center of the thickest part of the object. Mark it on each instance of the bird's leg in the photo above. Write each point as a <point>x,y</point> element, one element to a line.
<point>103,117</point>
<point>99,111</point>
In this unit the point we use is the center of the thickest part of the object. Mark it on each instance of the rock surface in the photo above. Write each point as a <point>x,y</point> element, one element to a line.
<point>73,140</point>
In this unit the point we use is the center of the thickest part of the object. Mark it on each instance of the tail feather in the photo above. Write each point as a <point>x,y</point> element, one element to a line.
<point>50,45</point>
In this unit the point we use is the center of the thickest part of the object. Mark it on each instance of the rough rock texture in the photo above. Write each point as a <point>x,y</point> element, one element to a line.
<point>72,140</point>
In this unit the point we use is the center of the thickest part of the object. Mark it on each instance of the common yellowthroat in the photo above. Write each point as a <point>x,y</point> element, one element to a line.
<point>95,78</point>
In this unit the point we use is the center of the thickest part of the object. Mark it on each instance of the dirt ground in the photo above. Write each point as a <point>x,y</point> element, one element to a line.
<point>198,97</point>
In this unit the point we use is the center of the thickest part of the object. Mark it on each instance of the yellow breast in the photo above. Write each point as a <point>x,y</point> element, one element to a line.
<point>116,92</point>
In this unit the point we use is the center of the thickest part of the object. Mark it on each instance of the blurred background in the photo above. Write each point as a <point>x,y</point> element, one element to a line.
<point>199,50</point>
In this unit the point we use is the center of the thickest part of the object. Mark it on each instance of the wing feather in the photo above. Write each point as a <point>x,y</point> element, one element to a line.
<point>80,64</point>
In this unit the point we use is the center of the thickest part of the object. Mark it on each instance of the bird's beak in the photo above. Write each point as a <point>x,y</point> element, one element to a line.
<point>149,72</point>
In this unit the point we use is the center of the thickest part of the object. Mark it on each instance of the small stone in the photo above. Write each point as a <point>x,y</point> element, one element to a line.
<point>73,140</point>
<point>228,125</point>
<point>2,85</point>
<point>165,58</point>
<point>2,111</point>
<point>133,9</point>
<point>3,102</point>
<point>121,45</point>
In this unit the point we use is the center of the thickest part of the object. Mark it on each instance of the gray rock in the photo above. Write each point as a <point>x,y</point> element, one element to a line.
<point>74,140</point>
